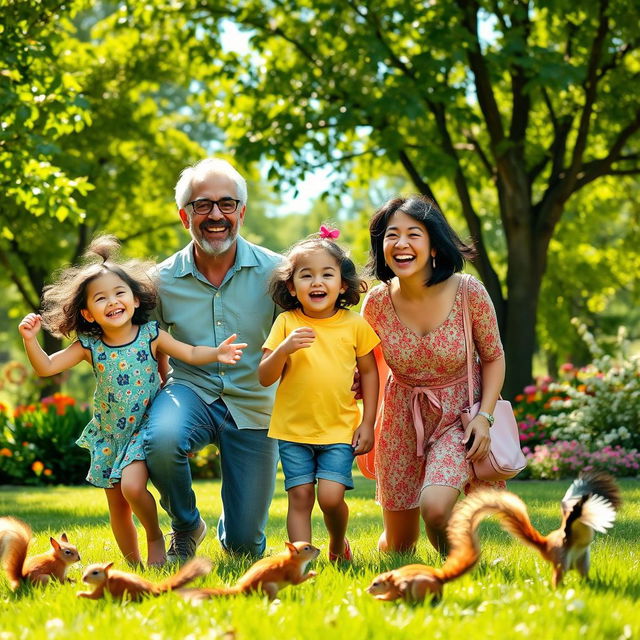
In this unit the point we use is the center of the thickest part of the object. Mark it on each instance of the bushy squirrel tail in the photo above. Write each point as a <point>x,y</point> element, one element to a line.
<point>464,547</point>
<point>190,571</point>
<point>15,536</point>
<point>462,528</point>
<point>205,594</point>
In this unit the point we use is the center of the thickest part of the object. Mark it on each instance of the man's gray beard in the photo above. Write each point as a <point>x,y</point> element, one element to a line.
<point>217,249</point>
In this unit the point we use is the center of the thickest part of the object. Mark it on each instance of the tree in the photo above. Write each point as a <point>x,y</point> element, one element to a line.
<point>115,170</point>
<point>520,105</point>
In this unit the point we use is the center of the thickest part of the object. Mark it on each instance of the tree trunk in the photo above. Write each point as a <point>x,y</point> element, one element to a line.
<point>526,264</point>
<point>520,329</point>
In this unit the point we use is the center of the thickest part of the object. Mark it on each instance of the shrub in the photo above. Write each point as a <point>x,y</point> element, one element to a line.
<point>567,458</point>
<point>535,400</point>
<point>37,442</point>
<point>205,464</point>
<point>602,405</point>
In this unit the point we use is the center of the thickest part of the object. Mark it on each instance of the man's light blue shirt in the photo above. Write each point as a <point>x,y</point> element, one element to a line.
<point>192,310</point>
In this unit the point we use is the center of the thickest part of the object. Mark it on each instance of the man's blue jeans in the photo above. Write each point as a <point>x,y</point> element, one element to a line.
<point>180,422</point>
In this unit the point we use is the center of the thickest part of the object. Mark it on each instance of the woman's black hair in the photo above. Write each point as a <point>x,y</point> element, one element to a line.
<point>283,274</point>
<point>451,252</point>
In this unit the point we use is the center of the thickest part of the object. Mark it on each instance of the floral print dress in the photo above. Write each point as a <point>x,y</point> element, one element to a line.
<point>127,380</point>
<point>419,437</point>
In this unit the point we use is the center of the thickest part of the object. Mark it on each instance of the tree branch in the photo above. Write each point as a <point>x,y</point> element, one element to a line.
<point>521,99</point>
<point>477,147</point>
<point>591,90</point>
<point>484,89</point>
<point>34,305</point>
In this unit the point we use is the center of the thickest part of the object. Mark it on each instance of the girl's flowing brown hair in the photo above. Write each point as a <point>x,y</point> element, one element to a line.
<point>63,300</point>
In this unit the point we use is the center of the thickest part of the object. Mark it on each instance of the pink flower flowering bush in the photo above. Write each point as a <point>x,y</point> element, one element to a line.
<point>567,458</point>
<point>602,404</point>
<point>535,400</point>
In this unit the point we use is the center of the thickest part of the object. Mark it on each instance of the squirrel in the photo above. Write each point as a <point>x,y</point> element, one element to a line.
<point>122,585</point>
<point>15,536</point>
<point>413,582</point>
<point>589,505</point>
<point>268,575</point>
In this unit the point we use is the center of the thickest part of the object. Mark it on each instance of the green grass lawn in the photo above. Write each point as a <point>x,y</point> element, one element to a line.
<point>506,596</point>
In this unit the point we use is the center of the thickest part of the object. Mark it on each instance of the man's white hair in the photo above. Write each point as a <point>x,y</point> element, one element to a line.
<point>202,169</point>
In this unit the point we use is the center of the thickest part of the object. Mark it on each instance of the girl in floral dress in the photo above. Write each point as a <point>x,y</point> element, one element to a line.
<point>422,454</point>
<point>107,304</point>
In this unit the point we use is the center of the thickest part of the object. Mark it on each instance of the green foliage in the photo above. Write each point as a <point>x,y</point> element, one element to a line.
<point>592,272</point>
<point>205,464</point>
<point>518,108</point>
<point>38,105</point>
<point>37,442</point>
<point>506,595</point>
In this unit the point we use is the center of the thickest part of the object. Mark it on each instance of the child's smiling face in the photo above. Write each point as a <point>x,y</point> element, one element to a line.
<point>110,302</point>
<point>317,283</point>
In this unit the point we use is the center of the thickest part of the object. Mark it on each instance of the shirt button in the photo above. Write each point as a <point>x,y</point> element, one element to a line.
<point>218,295</point>
<point>222,373</point>
<point>218,323</point>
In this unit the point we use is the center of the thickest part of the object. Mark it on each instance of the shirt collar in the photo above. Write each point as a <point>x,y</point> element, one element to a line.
<point>185,264</point>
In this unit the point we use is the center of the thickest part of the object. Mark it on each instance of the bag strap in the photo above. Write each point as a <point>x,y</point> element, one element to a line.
<point>468,334</point>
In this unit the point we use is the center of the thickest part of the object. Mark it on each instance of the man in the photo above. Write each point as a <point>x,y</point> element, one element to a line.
<point>214,287</point>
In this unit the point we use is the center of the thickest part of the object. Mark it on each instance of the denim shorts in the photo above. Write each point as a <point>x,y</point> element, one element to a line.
<point>305,463</point>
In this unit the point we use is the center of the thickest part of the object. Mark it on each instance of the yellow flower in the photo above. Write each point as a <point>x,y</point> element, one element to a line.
<point>6,452</point>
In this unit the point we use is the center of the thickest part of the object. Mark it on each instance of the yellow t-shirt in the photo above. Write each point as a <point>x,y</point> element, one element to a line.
<point>314,402</point>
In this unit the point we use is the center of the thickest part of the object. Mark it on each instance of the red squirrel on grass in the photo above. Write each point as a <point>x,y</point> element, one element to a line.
<point>268,575</point>
<point>589,505</point>
<point>15,536</point>
<point>414,582</point>
<point>122,585</point>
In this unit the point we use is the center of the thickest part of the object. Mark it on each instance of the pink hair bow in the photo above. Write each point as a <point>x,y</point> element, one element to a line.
<point>328,233</point>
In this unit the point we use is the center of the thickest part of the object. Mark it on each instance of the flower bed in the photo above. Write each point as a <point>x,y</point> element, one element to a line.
<point>37,444</point>
<point>588,419</point>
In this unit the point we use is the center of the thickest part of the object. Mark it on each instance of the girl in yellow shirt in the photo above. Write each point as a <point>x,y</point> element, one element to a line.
<point>313,350</point>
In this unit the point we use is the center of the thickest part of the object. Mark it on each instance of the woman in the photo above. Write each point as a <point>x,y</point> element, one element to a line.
<point>422,463</point>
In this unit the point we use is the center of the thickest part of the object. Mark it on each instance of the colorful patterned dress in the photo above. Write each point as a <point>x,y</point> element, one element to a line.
<point>127,381</point>
<point>429,373</point>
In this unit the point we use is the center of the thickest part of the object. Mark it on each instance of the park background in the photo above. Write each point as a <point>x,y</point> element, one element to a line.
<point>520,118</point>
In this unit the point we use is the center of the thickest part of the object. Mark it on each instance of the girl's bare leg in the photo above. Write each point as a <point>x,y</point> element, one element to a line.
<point>134,489</point>
<point>335,512</point>
<point>401,531</point>
<point>122,525</point>
<point>301,501</point>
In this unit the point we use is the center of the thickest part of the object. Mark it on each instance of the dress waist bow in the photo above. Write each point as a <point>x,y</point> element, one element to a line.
<point>432,399</point>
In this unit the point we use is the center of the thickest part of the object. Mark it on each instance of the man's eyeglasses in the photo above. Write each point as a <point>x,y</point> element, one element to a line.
<point>204,207</point>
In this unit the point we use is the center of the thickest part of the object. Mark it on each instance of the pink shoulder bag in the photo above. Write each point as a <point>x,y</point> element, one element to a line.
<point>505,459</point>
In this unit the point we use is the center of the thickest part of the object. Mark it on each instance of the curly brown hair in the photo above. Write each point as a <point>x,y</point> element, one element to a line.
<point>283,273</point>
<point>63,300</point>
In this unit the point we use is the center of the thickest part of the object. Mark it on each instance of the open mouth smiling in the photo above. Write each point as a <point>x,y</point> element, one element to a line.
<point>115,313</point>
<point>404,258</point>
<point>214,227</point>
